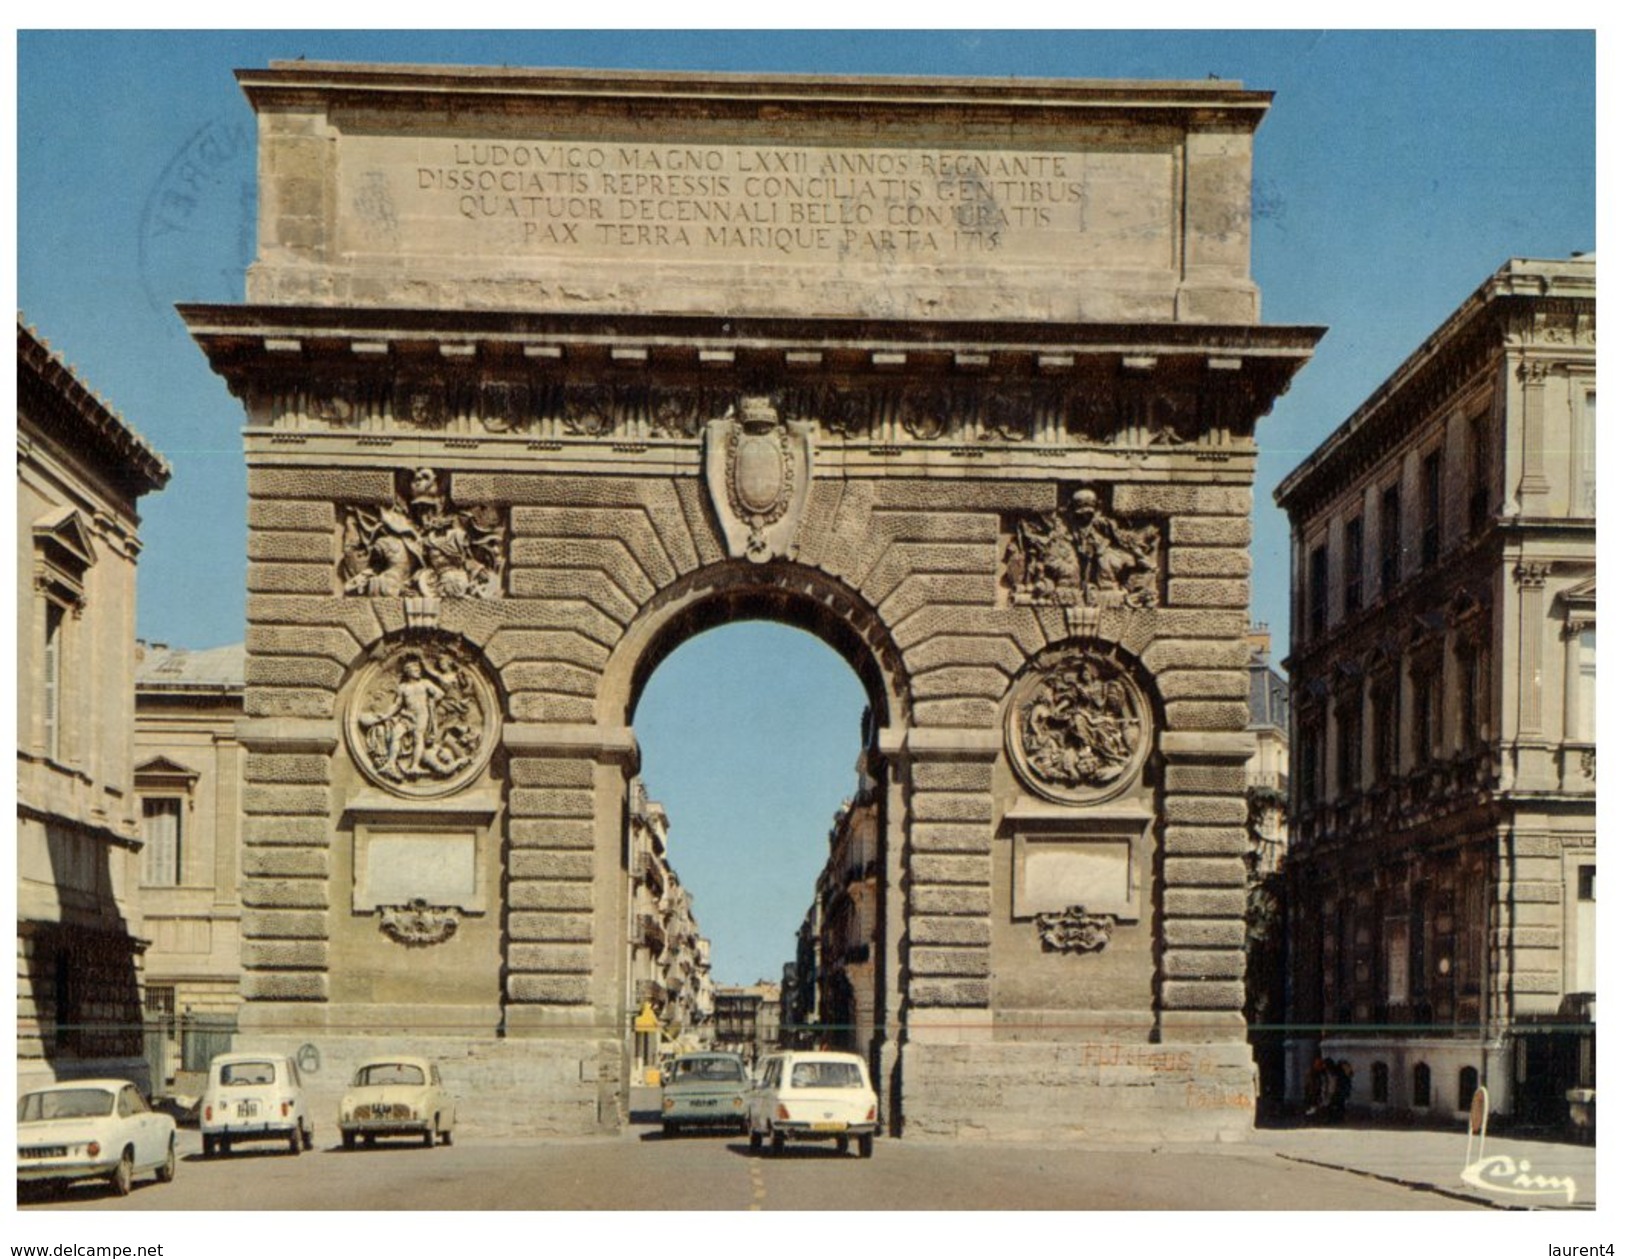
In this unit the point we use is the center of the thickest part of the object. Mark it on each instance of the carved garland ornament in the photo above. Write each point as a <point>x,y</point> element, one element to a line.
<point>1077,730</point>
<point>422,718</point>
<point>418,924</point>
<point>1074,930</point>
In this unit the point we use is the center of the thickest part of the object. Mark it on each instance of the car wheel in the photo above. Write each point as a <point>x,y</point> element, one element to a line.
<point>166,1169</point>
<point>445,1137</point>
<point>123,1176</point>
<point>778,1143</point>
<point>208,1147</point>
<point>744,1127</point>
<point>431,1134</point>
<point>755,1138</point>
<point>866,1146</point>
<point>367,1140</point>
<point>842,1145</point>
<point>293,1140</point>
<point>349,1140</point>
<point>308,1136</point>
<point>225,1144</point>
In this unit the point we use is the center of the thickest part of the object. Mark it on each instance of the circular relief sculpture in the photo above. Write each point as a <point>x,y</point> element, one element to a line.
<point>1077,730</point>
<point>422,719</point>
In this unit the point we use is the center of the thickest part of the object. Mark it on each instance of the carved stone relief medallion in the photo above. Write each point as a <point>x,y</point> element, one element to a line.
<point>1078,730</point>
<point>423,718</point>
<point>757,469</point>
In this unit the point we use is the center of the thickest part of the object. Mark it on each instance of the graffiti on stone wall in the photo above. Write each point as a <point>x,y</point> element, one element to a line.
<point>422,718</point>
<point>1077,729</point>
<point>420,544</point>
<point>1209,1083</point>
<point>1081,555</point>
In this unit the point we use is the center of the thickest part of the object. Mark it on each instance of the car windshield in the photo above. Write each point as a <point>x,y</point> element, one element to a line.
<point>248,1073</point>
<point>389,1073</point>
<point>826,1075</point>
<point>725,1070</point>
<point>64,1104</point>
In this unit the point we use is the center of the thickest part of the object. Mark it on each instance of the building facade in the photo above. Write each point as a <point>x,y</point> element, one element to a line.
<point>747,1020</point>
<point>1442,871</point>
<point>188,781</point>
<point>80,473</point>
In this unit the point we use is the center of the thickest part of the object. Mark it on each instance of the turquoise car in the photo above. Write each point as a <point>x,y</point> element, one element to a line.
<point>705,1090</point>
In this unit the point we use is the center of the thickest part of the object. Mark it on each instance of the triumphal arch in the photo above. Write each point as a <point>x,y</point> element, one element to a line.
<point>547,371</point>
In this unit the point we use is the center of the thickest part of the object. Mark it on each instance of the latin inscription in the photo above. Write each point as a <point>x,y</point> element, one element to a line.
<point>597,198</point>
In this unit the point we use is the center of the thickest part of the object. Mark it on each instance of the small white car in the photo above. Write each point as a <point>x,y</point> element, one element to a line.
<point>253,1097</point>
<point>807,1096</point>
<point>92,1128</point>
<point>397,1097</point>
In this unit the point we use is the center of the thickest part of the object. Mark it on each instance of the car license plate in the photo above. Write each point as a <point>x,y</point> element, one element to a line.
<point>43,1151</point>
<point>247,1110</point>
<point>706,1101</point>
<point>829,1127</point>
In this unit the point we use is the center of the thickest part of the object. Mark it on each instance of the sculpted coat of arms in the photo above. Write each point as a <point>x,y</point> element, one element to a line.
<point>1077,729</point>
<point>757,468</point>
<point>423,718</point>
<point>422,545</point>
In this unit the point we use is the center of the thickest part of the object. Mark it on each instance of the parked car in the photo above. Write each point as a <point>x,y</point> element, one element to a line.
<point>806,1096</point>
<point>397,1097</point>
<point>92,1128</point>
<point>705,1090</point>
<point>254,1097</point>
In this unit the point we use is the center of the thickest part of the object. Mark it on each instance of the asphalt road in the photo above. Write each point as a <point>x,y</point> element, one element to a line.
<point>644,1171</point>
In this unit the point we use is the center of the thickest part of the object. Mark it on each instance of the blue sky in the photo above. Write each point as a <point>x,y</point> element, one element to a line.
<point>1395,171</point>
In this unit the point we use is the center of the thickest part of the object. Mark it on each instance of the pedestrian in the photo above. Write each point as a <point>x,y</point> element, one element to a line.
<point>1314,1089</point>
<point>1342,1083</point>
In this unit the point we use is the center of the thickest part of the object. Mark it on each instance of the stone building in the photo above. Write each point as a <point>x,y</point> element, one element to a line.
<point>545,372</point>
<point>80,471</point>
<point>1268,710</point>
<point>188,776</point>
<point>1442,871</point>
<point>748,1019</point>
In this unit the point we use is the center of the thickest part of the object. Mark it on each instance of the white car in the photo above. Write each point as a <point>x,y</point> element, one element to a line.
<point>253,1097</point>
<point>92,1128</point>
<point>805,1096</point>
<point>397,1097</point>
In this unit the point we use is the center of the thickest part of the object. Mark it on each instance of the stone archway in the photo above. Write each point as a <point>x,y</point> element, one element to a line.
<point>998,453</point>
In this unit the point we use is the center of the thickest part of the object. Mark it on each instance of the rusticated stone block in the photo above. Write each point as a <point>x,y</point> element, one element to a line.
<point>552,677</point>
<point>1534,892</point>
<point>991,496</point>
<point>301,579</point>
<point>1210,531</point>
<point>1208,562</point>
<point>553,959</point>
<point>269,701</point>
<point>1204,933</point>
<point>951,899</point>
<point>1226,625</point>
<point>1208,592</point>
<point>1228,684</point>
<point>302,548</point>
<point>307,985</point>
<point>293,863</point>
<point>702,527</point>
<point>1204,902</point>
<point>536,895</point>
<point>1204,963</point>
<point>942,806</point>
<point>475,619</point>
<point>970,963</point>
<point>972,714</point>
<point>995,652</point>
<point>544,706</point>
<point>1020,624</point>
<point>563,646</point>
<point>302,640</point>
<point>928,868</point>
<point>285,893</point>
<point>536,863</point>
<point>531,626</point>
<point>1213,779</point>
<point>312,831</point>
<point>960,931</point>
<point>1163,499</point>
<point>544,926</point>
<point>285,954</point>
<point>291,514</point>
<point>573,583</point>
<point>1202,994</point>
<point>343,485</point>
<point>1176,653</point>
<point>1201,714</point>
<point>1205,810</point>
<point>937,683</point>
<point>1205,841</point>
<point>551,833</point>
<point>952,837</point>
<point>1539,937</point>
<point>307,671</point>
<point>957,775</point>
<point>273,924</point>
<point>535,771</point>
<point>549,989</point>
<point>1204,872</point>
<point>550,802</point>
<point>935,589</point>
<point>272,767</point>
<point>1537,981</point>
<point>963,993</point>
<point>285,801</point>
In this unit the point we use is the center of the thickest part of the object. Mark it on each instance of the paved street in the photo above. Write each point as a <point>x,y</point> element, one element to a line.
<point>643,1171</point>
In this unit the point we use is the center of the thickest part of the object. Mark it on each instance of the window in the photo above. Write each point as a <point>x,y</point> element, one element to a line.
<point>1586,699</point>
<point>1432,490</point>
<point>1317,592</point>
<point>1585,456</point>
<point>1350,737</point>
<point>1466,1086</point>
<point>1353,564</point>
<point>1391,544</point>
<point>161,833</point>
<point>53,680</point>
<point>1426,695</point>
<point>1307,767</point>
<point>1470,671</point>
<point>1478,472</point>
<point>1385,728</point>
<point>1379,1083</point>
<point>1421,1085</point>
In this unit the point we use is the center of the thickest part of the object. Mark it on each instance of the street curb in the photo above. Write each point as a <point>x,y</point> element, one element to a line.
<point>1425,1186</point>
